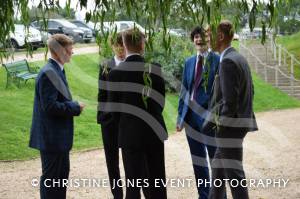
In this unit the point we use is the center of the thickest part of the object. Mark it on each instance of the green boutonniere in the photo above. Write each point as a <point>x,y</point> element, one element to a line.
<point>206,72</point>
<point>147,84</point>
<point>105,68</point>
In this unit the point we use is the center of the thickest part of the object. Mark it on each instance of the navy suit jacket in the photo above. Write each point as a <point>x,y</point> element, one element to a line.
<point>53,111</point>
<point>203,94</point>
<point>104,118</point>
<point>139,127</point>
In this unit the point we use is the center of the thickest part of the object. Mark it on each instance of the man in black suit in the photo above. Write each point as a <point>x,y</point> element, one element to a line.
<point>52,121</point>
<point>138,99</point>
<point>236,116</point>
<point>109,126</point>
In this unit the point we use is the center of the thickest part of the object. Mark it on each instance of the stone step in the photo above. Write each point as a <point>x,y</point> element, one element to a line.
<point>289,87</point>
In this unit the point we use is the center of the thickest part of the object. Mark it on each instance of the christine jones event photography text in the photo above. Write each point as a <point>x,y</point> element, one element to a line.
<point>173,99</point>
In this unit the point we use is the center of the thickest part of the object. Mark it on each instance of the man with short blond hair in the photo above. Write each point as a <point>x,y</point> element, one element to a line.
<point>52,121</point>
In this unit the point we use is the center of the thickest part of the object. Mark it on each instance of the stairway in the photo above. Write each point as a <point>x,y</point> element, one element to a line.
<point>268,67</point>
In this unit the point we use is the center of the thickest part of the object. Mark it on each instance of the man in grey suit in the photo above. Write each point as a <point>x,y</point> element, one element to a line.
<point>235,116</point>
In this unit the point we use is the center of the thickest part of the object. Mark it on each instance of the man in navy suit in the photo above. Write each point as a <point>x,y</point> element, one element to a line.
<point>109,126</point>
<point>197,83</point>
<point>52,121</point>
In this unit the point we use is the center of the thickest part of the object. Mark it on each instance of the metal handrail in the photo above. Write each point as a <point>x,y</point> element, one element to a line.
<point>276,67</point>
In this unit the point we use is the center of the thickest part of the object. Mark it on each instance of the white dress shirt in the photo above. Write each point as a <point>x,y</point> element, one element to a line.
<point>117,60</point>
<point>223,52</point>
<point>204,55</point>
<point>60,65</point>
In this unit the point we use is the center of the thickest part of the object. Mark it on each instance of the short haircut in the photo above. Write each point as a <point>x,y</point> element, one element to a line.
<point>227,29</point>
<point>197,30</point>
<point>56,41</point>
<point>133,39</point>
<point>116,40</point>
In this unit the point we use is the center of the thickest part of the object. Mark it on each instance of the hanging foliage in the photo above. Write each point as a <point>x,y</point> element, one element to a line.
<point>156,12</point>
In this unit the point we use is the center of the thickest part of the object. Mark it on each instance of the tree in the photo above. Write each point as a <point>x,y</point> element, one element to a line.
<point>154,12</point>
<point>35,13</point>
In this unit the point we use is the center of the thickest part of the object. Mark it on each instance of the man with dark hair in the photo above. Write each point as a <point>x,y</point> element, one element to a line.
<point>138,101</point>
<point>109,127</point>
<point>197,82</point>
<point>52,126</point>
<point>236,117</point>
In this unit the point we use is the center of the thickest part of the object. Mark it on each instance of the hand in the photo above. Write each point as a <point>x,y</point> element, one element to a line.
<point>82,106</point>
<point>179,128</point>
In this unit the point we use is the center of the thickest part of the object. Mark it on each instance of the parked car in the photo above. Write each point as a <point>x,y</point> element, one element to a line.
<point>61,26</point>
<point>255,34</point>
<point>45,36</point>
<point>177,32</point>
<point>236,37</point>
<point>88,32</point>
<point>122,25</point>
<point>21,35</point>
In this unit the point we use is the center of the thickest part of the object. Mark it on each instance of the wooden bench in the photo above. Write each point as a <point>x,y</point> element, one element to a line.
<point>19,71</point>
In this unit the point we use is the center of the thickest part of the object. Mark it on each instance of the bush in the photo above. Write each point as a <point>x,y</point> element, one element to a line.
<point>172,63</point>
<point>289,27</point>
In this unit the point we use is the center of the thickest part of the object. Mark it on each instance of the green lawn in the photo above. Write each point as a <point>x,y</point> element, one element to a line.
<point>291,43</point>
<point>16,108</point>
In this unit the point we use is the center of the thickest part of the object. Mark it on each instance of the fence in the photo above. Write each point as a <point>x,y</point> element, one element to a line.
<point>280,55</point>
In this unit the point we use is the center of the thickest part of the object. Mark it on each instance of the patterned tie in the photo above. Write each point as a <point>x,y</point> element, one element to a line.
<point>198,75</point>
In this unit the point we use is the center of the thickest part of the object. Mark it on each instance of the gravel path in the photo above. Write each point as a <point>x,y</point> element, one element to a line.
<point>273,153</point>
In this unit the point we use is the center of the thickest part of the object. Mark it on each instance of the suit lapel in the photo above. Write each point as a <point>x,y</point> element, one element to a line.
<point>228,51</point>
<point>112,63</point>
<point>192,69</point>
<point>58,70</point>
<point>191,74</point>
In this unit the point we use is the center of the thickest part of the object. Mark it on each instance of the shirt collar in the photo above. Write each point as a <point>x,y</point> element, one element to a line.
<point>130,54</point>
<point>117,60</point>
<point>223,53</point>
<point>60,65</point>
<point>205,54</point>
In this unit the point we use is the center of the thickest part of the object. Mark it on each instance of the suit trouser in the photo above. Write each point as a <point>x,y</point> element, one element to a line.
<point>55,170</point>
<point>199,149</point>
<point>148,165</point>
<point>111,150</point>
<point>228,164</point>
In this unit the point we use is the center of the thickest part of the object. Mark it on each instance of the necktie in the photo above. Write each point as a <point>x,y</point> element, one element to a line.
<point>198,73</point>
<point>64,75</point>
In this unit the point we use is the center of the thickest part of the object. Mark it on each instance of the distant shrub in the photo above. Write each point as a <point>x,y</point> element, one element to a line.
<point>173,63</point>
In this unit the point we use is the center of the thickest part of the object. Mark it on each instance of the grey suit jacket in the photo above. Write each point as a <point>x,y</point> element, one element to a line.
<point>235,92</point>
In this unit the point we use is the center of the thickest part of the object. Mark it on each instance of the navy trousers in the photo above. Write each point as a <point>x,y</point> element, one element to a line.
<point>200,151</point>
<point>55,168</point>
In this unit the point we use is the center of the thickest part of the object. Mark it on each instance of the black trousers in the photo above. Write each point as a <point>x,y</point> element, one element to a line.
<point>228,164</point>
<point>111,150</point>
<point>55,171</point>
<point>146,165</point>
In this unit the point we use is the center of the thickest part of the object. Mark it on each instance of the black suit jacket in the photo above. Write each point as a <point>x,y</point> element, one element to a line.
<point>104,118</point>
<point>53,111</point>
<point>138,126</point>
<point>236,92</point>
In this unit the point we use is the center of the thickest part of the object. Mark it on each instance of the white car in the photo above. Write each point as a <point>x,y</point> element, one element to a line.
<point>122,25</point>
<point>31,35</point>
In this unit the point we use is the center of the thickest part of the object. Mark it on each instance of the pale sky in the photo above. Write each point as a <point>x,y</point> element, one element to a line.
<point>80,14</point>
